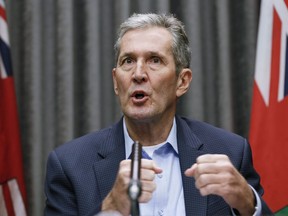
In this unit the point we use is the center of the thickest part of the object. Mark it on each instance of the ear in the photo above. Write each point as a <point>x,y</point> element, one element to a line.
<point>115,81</point>
<point>183,82</point>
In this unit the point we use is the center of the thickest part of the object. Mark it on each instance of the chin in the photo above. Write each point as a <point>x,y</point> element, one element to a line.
<point>139,117</point>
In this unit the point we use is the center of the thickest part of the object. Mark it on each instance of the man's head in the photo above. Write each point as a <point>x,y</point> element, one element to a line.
<point>180,44</point>
<point>152,68</point>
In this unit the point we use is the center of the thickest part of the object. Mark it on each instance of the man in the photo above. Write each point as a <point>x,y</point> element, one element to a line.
<point>192,168</point>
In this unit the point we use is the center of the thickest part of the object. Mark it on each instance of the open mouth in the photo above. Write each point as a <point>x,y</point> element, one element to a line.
<point>139,96</point>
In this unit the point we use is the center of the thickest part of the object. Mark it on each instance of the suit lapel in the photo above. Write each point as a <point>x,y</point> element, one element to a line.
<point>109,157</point>
<point>189,147</point>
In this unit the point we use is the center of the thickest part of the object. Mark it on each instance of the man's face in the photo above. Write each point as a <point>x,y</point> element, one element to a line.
<point>145,79</point>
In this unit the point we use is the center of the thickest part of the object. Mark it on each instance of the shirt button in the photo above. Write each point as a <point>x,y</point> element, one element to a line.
<point>161,212</point>
<point>160,175</point>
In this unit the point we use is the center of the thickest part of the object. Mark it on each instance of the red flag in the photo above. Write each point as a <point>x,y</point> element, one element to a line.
<point>269,116</point>
<point>12,188</point>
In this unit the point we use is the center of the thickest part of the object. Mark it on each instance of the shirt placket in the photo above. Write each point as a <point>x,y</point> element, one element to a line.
<point>162,184</point>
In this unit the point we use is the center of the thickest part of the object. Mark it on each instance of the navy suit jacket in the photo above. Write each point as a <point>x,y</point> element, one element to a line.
<point>81,172</point>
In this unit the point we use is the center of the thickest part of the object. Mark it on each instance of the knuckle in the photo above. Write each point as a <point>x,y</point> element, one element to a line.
<point>202,180</point>
<point>124,163</point>
<point>145,196</point>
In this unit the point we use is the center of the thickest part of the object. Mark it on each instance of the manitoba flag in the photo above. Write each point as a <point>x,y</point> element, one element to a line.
<point>269,115</point>
<point>12,189</point>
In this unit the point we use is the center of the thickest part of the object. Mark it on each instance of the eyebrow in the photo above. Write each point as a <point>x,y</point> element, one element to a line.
<point>156,54</point>
<point>148,53</point>
<point>126,54</point>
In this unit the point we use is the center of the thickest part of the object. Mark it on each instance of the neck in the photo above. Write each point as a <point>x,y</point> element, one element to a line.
<point>151,132</point>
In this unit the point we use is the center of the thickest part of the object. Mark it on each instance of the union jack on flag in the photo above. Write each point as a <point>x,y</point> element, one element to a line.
<point>269,114</point>
<point>272,52</point>
<point>12,188</point>
<point>5,61</point>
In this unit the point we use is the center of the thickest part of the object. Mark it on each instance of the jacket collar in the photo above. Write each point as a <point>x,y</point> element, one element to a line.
<point>110,154</point>
<point>190,147</point>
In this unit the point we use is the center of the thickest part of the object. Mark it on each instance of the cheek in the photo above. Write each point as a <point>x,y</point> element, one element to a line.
<point>122,88</point>
<point>167,87</point>
<point>165,95</point>
<point>121,82</point>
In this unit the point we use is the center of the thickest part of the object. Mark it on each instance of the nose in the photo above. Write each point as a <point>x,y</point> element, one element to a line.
<point>140,73</point>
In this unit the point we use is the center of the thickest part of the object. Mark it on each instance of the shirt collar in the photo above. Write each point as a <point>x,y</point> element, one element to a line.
<point>172,138</point>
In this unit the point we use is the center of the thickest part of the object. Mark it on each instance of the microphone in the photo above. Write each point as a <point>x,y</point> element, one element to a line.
<point>134,188</point>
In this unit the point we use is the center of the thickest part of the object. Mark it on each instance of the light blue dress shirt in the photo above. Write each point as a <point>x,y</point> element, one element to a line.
<point>168,198</point>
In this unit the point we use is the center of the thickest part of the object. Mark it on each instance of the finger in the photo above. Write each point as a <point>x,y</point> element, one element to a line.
<point>145,197</point>
<point>211,158</point>
<point>206,179</point>
<point>150,164</point>
<point>125,168</point>
<point>190,172</point>
<point>211,189</point>
<point>208,168</point>
<point>212,168</point>
<point>147,174</point>
<point>125,163</point>
<point>148,186</point>
<point>222,169</point>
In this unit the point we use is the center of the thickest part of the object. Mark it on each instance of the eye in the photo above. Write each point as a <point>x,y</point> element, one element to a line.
<point>155,63</point>
<point>127,63</point>
<point>155,60</point>
<point>127,60</point>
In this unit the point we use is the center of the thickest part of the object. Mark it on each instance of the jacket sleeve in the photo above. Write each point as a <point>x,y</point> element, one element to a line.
<point>248,171</point>
<point>60,195</point>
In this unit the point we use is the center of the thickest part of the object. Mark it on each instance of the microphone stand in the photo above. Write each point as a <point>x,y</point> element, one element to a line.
<point>134,188</point>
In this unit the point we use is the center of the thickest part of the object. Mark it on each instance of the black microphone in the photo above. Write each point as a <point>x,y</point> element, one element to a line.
<point>134,188</point>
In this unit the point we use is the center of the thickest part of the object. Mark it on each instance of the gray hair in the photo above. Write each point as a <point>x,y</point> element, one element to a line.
<point>180,45</point>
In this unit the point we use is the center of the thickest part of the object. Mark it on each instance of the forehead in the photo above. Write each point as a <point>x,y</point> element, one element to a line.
<point>151,39</point>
